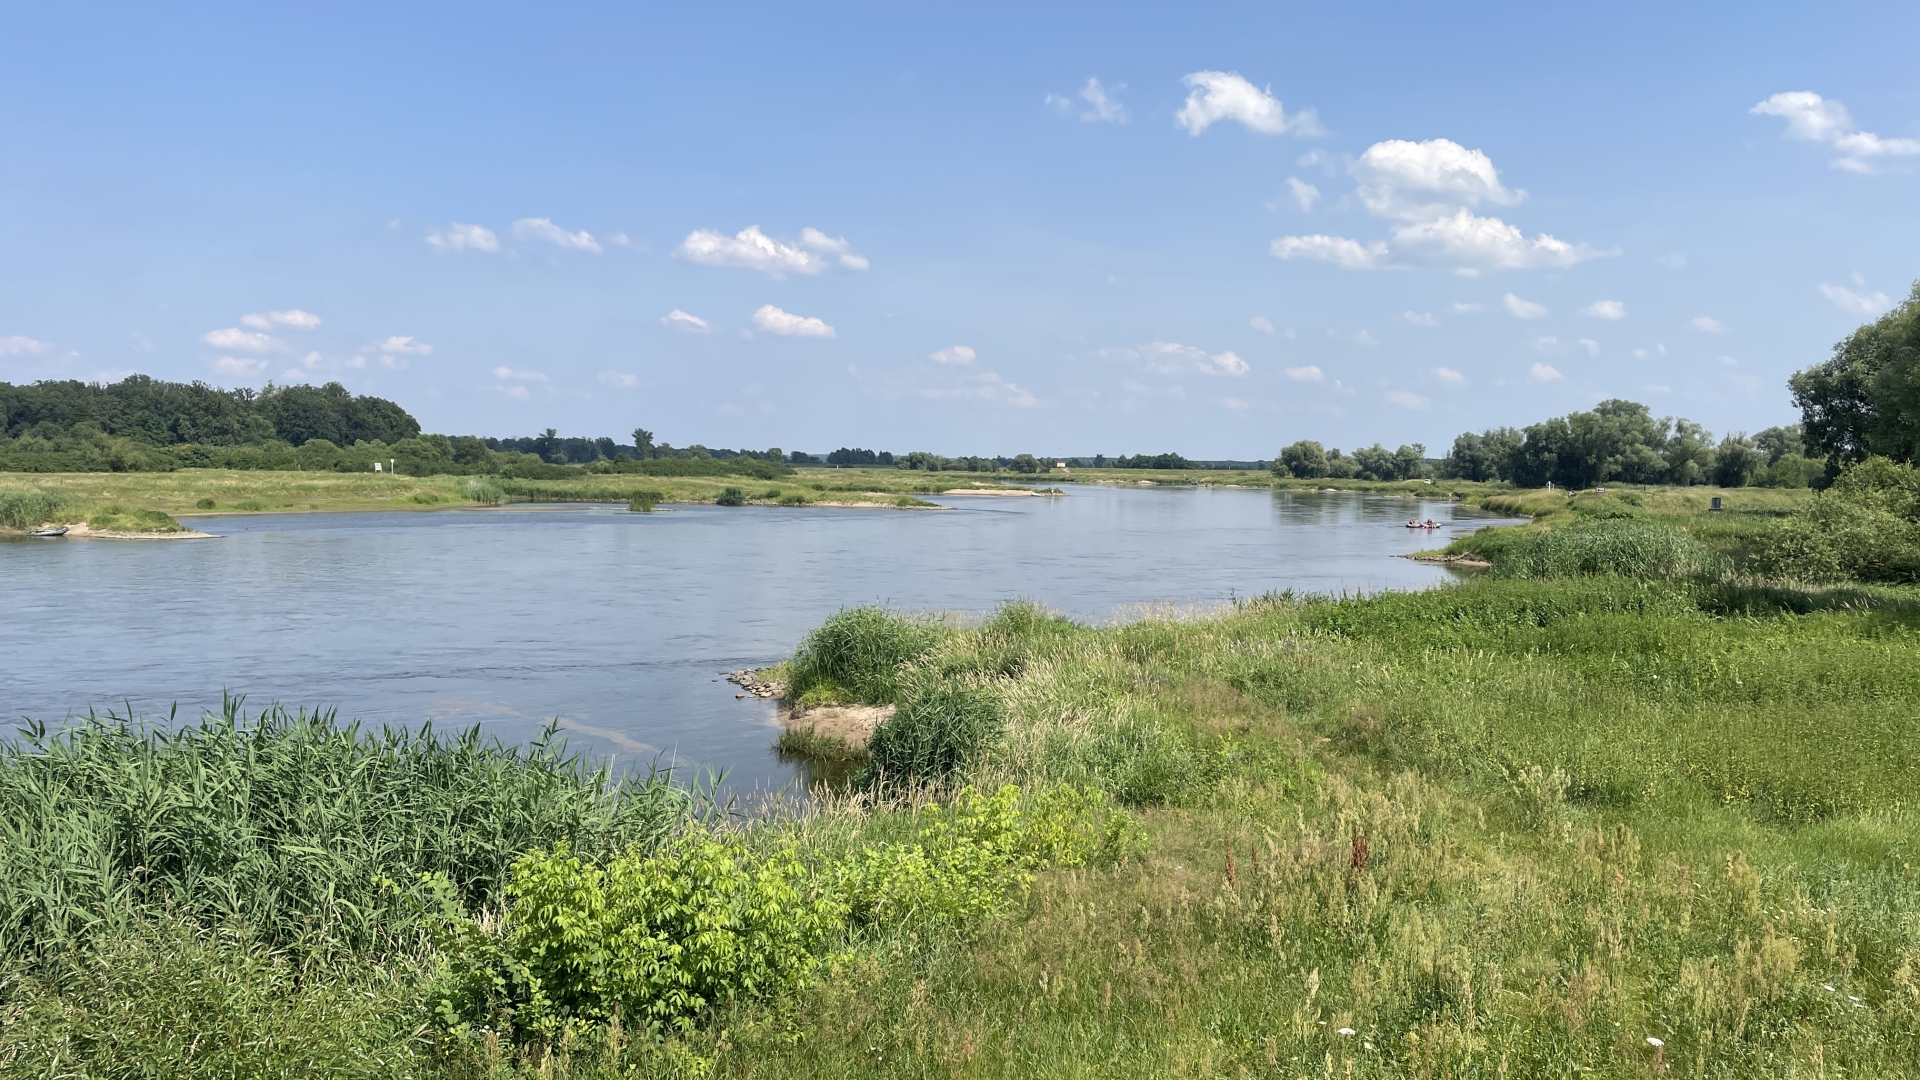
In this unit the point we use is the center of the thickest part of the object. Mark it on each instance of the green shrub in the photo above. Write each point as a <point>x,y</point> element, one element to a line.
<point>859,652</point>
<point>121,519</point>
<point>205,504</point>
<point>423,498</point>
<point>936,731</point>
<point>29,509</point>
<point>1616,546</point>
<point>654,937</point>
<point>1866,527</point>
<point>973,857</point>
<point>251,505</point>
<point>643,502</point>
<point>730,496</point>
<point>484,490</point>
<point>795,498</point>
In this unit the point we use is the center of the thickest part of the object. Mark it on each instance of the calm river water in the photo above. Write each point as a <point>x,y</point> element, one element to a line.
<point>622,624</point>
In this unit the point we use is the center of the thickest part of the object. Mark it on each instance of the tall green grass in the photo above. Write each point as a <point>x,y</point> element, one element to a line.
<point>29,509</point>
<point>302,829</point>
<point>1621,546</point>
<point>859,653</point>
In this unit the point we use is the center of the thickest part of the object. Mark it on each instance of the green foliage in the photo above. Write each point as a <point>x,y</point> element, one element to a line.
<point>643,502</point>
<point>285,823</point>
<point>1866,527</point>
<point>860,652</point>
<point>973,857</point>
<point>121,519</point>
<point>730,496</point>
<point>1865,400</point>
<point>940,728</point>
<point>752,468</point>
<point>1307,459</point>
<point>484,490</point>
<point>656,937</point>
<point>1620,546</point>
<point>30,509</point>
<point>1149,461</point>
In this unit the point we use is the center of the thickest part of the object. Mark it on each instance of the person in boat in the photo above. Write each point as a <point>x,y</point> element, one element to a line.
<point>1413,523</point>
<point>1431,524</point>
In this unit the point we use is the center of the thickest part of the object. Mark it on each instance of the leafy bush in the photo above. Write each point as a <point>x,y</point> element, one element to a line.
<point>643,502</point>
<point>654,937</point>
<point>121,519</point>
<point>730,496</point>
<point>1865,527</point>
<point>935,732</point>
<point>204,504</point>
<point>973,857</point>
<point>29,509</point>
<point>1619,546</point>
<point>859,652</point>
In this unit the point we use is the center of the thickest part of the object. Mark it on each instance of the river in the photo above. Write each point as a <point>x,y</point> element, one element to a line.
<point>622,625</point>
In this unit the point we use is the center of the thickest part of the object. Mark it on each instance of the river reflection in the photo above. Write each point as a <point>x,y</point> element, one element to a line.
<point>619,624</point>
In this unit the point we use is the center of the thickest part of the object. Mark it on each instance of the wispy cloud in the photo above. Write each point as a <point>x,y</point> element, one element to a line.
<point>1813,118</point>
<point>1709,324</point>
<point>680,320</point>
<point>954,354</point>
<point>1302,193</point>
<point>1306,373</point>
<point>1523,309</point>
<point>1345,253</point>
<point>1407,400</point>
<point>752,249</point>
<point>293,318</point>
<point>1545,373</point>
<point>1605,309</point>
<point>1419,318</point>
<point>1104,107</point>
<point>1450,376</point>
<point>506,373</point>
<point>539,228</point>
<point>1260,323</point>
<point>242,340</point>
<point>1864,303</point>
<point>619,380</point>
<point>404,346</point>
<point>17,345</point>
<point>785,323</point>
<point>457,237</point>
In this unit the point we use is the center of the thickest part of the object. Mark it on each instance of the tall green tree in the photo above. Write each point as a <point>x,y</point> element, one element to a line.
<point>1865,400</point>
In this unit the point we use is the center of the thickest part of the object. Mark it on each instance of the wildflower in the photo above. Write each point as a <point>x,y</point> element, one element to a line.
<point>1346,1031</point>
<point>1655,1043</point>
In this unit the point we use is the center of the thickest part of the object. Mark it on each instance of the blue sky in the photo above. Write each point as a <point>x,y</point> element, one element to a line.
<point>1262,223</point>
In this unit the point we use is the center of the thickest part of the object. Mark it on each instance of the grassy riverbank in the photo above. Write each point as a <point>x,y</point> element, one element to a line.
<point>1512,827</point>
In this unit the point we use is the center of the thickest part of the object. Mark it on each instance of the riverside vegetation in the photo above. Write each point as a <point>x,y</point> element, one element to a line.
<point>1636,801</point>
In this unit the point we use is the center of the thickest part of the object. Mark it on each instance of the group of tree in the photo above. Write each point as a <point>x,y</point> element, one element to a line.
<point>151,412</point>
<point>1620,441</point>
<point>1308,460</point>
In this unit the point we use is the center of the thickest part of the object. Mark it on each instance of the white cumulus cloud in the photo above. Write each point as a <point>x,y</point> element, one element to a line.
<point>295,318</point>
<point>539,228</point>
<point>1338,250</point>
<point>1419,318</point>
<point>680,320</point>
<point>1419,180</point>
<point>1709,324</point>
<point>1407,400</point>
<point>955,354</point>
<point>1468,237</point>
<point>1171,357</point>
<point>404,346</point>
<point>774,321</point>
<point>1224,95</point>
<point>1302,192</point>
<point>1261,323</point>
<point>1309,373</point>
<point>1523,309</point>
<point>1449,375</point>
<point>1104,107</point>
<point>1605,309</point>
<point>752,249</point>
<point>1430,190</point>
<point>241,340</point>
<point>457,238</point>
<point>18,345</point>
<point>1823,120</point>
<point>1545,373</point>
<point>1855,303</point>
